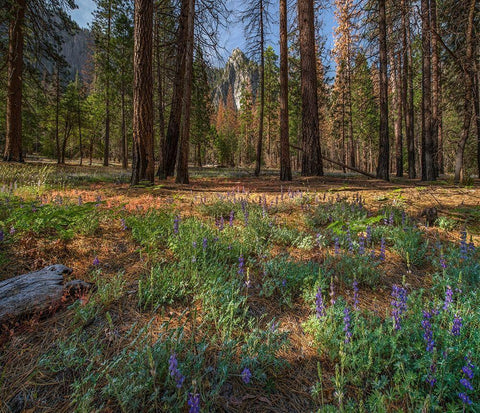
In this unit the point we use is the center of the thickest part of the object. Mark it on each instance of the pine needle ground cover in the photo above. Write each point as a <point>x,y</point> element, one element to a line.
<point>239,294</point>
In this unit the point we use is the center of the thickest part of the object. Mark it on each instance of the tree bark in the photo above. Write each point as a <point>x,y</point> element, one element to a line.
<point>161,114</point>
<point>143,167</point>
<point>468,81</point>
<point>169,149</point>
<point>397,102</point>
<point>184,144</point>
<point>383,170</point>
<point>79,115</point>
<point>476,100</point>
<point>436,90</point>
<point>57,114</point>
<point>285,166</point>
<point>106,152</point>
<point>13,141</point>
<point>408,90</point>
<point>311,156</point>
<point>428,165</point>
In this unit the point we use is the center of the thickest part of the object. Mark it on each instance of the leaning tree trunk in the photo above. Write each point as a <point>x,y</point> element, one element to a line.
<point>468,81</point>
<point>168,156</point>
<point>184,144</point>
<point>383,170</point>
<point>285,167</point>
<point>312,155</point>
<point>13,141</point>
<point>143,167</point>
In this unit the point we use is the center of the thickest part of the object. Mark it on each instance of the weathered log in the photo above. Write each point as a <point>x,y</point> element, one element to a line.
<point>36,292</point>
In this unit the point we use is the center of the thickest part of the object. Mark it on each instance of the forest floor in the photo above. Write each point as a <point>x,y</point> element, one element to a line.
<point>110,350</point>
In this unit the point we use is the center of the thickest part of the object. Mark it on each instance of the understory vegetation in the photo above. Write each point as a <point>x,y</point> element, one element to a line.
<point>300,299</point>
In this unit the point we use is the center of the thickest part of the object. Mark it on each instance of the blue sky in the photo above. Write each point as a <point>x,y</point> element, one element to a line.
<point>233,36</point>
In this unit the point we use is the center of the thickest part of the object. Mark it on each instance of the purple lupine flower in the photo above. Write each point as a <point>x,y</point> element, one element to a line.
<point>193,403</point>
<point>355,294</point>
<point>468,370</point>
<point>241,265</point>
<point>431,375</point>
<point>320,306</point>
<point>123,224</point>
<point>175,224</point>
<point>382,250</point>
<point>246,375</point>
<point>464,398</point>
<point>337,246</point>
<point>349,240</point>
<point>369,234</point>
<point>96,262</point>
<point>471,245</point>
<point>332,293</point>
<point>80,200</point>
<point>391,219</point>
<point>404,218</point>
<point>12,230</point>
<point>346,325</point>
<point>2,235</point>
<point>204,243</point>
<point>466,383</point>
<point>457,325</point>
<point>221,224</point>
<point>399,305</point>
<point>443,262</point>
<point>463,245</point>
<point>284,282</point>
<point>231,218</point>
<point>448,298</point>
<point>361,245</point>
<point>174,371</point>
<point>194,244</point>
<point>428,332</point>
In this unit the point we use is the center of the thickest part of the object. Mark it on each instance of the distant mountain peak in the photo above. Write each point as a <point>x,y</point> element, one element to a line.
<point>238,72</point>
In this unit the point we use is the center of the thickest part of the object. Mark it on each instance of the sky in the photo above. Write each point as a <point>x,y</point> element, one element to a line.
<point>232,37</point>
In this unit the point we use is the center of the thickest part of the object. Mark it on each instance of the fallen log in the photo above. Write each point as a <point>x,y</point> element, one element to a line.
<point>343,165</point>
<point>37,291</point>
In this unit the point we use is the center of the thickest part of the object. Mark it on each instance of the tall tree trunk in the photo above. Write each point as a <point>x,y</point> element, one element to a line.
<point>106,153</point>
<point>13,141</point>
<point>261,69</point>
<point>311,155</point>
<point>143,167</point>
<point>57,114</point>
<point>428,164</point>
<point>407,90</point>
<point>184,144</point>
<point>124,128</point>
<point>383,171</point>
<point>285,166</point>
<point>476,100</point>
<point>468,81</point>
<point>79,115</point>
<point>436,90</point>
<point>397,101</point>
<point>169,149</point>
<point>161,114</point>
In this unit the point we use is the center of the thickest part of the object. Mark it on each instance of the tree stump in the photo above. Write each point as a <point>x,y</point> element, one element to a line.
<point>36,292</point>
